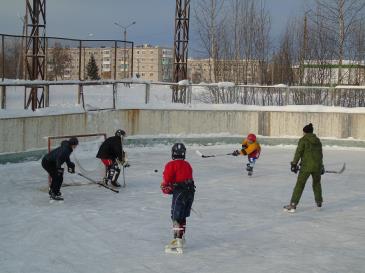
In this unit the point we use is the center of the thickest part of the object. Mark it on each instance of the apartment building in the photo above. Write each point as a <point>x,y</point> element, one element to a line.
<point>208,70</point>
<point>149,63</point>
<point>153,63</point>
<point>326,72</point>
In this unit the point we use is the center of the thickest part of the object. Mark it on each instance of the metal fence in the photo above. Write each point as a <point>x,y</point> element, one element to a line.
<point>112,94</point>
<point>343,96</point>
<point>68,59</point>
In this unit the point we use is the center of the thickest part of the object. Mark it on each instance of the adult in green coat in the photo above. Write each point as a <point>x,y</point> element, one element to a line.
<point>310,158</point>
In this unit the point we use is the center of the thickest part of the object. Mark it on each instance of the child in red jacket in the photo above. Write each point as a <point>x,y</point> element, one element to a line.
<point>178,181</point>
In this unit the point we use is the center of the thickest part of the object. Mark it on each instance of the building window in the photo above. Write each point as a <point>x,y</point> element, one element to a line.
<point>151,74</point>
<point>122,67</point>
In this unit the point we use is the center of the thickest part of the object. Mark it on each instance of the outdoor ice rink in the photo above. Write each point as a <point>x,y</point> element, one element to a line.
<point>239,225</point>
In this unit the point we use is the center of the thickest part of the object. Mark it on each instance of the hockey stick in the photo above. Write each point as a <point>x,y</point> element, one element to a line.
<point>123,178</point>
<point>99,183</point>
<point>337,172</point>
<point>206,156</point>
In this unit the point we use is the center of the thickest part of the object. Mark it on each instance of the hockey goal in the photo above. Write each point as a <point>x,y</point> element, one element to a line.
<point>84,157</point>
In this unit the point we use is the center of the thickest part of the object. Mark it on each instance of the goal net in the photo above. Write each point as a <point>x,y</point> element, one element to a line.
<point>84,157</point>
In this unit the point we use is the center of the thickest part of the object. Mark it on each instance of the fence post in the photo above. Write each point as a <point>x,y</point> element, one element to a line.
<point>333,95</point>
<point>3,97</point>
<point>115,88</point>
<point>3,57</point>
<point>80,97</point>
<point>287,95</point>
<point>115,62</point>
<point>80,49</point>
<point>46,95</point>
<point>147,93</point>
<point>190,93</point>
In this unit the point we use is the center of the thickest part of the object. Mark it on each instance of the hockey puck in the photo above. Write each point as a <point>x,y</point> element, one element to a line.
<point>156,171</point>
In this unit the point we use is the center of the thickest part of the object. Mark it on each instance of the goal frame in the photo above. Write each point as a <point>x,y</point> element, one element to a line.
<point>50,138</point>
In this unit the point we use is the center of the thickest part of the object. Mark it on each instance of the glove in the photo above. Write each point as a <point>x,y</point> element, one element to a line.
<point>294,167</point>
<point>71,167</point>
<point>59,171</point>
<point>323,170</point>
<point>236,153</point>
<point>166,189</point>
<point>123,163</point>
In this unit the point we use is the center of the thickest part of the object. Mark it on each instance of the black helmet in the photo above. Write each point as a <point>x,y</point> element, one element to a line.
<point>73,141</point>
<point>120,133</point>
<point>178,151</point>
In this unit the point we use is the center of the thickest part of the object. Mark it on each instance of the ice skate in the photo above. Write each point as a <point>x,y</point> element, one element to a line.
<point>105,181</point>
<point>175,246</point>
<point>290,208</point>
<point>115,184</point>
<point>55,197</point>
<point>249,169</point>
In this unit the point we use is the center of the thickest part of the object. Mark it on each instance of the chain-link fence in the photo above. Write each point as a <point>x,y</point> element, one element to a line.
<point>68,59</point>
<point>110,94</point>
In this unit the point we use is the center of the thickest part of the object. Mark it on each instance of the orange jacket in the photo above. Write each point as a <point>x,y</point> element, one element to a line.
<point>250,149</point>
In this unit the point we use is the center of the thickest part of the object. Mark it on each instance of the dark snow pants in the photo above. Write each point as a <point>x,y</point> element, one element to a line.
<point>56,178</point>
<point>182,201</point>
<point>299,187</point>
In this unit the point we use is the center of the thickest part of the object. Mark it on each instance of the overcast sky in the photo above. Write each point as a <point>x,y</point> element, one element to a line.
<point>154,18</point>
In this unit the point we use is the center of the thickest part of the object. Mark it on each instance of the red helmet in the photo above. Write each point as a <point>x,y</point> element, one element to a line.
<point>251,137</point>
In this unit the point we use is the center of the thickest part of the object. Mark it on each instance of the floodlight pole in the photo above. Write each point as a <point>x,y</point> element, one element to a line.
<point>124,28</point>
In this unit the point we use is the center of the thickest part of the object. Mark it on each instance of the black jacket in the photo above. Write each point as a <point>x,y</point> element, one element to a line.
<point>111,148</point>
<point>60,155</point>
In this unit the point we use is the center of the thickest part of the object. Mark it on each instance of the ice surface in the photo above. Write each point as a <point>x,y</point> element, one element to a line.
<point>240,227</point>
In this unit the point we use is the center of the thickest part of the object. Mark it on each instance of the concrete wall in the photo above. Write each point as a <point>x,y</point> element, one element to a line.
<point>21,134</point>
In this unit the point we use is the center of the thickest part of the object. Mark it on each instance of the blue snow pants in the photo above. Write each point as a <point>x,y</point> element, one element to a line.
<point>182,200</point>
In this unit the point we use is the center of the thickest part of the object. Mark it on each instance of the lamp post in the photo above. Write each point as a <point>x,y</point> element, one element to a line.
<point>124,28</point>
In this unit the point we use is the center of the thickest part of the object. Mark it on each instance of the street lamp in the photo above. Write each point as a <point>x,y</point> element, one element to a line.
<point>124,28</point>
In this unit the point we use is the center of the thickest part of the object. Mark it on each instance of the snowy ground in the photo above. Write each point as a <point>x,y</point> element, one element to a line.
<point>241,227</point>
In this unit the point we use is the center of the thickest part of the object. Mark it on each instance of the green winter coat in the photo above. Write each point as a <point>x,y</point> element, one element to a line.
<point>309,152</point>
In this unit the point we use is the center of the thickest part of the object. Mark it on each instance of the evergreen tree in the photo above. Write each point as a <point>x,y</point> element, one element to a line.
<point>92,69</point>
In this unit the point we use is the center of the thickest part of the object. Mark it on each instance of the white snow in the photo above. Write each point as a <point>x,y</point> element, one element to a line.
<point>64,99</point>
<point>241,227</point>
<point>183,82</point>
<point>225,84</point>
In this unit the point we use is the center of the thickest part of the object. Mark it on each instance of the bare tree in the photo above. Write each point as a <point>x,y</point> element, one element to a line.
<point>60,60</point>
<point>235,35</point>
<point>12,54</point>
<point>262,41</point>
<point>209,19</point>
<point>338,17</point>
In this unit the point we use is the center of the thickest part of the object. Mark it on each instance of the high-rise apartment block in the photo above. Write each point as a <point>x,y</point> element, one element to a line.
<point>152,63</point>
